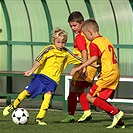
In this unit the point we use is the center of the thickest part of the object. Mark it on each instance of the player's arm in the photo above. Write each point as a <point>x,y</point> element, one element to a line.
<point>81,45</point>
<point>71,58</point>
<point>84,55</point>
<point>39,60</point>
<point>87,63</point>
<point>95,65</point>
<point>35,66</point>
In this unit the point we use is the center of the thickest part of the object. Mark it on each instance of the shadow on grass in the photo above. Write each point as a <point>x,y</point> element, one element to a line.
<point>98,119</point>
<point>4,120</point>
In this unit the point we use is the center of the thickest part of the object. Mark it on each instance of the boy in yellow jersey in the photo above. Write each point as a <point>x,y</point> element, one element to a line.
<point>102,49</point>
<point>49,65</point>
<point>79,83</point>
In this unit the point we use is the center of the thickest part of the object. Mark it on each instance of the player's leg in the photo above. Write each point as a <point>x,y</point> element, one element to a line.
<point>120,123</point>
<point>48,87</point>
<point>72,103</point>
<point>43,109</point>
<point>24,94</point>
<point>30,90</point>
<point>101,103</point>
<point>85,107</point>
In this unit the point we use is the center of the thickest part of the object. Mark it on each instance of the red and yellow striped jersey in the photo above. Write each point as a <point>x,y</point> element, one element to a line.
<point>82,43</point>
<point>110,74</point>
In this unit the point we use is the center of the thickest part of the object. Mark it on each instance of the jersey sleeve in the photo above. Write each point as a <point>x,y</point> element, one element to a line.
<point>80,42</point>
<point>72,59</point>
<point>43,54</point>
<point>94,50</point>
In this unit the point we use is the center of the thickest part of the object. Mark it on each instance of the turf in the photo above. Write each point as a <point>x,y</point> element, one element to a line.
<point>97,125</point>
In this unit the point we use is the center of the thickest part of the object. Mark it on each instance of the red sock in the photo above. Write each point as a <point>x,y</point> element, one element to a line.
<point>72,103</point>
<point>107,107</point>
<point>83,101</point>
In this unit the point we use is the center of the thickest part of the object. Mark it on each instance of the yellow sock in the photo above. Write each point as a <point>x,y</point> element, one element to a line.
<point>24,94</point>
<point>44,106</point>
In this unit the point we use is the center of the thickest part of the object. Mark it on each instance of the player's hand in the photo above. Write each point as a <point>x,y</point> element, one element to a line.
<point>27,73</point>
<point>96,66</point>
<point>74,70</point>
<point>84,73</point>
<point>98,72</point>
<point>84,70</point>
<point>98,75</point>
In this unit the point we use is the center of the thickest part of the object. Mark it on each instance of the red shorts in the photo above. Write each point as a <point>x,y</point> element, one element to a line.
<point>81,84</point>
<point>103,93</point>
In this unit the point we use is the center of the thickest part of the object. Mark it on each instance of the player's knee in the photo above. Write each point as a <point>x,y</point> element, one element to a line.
<point>89,98</point>
<point>27,93</point>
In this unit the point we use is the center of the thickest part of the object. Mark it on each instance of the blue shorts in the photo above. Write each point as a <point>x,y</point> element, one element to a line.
<point>41,84</point>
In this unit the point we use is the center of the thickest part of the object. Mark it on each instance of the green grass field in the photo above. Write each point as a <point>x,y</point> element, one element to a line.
<point>96,125</point>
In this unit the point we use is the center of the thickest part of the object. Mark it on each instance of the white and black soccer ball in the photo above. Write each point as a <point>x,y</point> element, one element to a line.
<point>20,116</point>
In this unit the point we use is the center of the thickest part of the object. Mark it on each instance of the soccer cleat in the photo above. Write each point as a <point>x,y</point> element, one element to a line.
<point>69,119</point>
<point>85,117</point>
<point>8,110</point>
<point>40,122</point>
<point>116,118</point>
<point>120,126</point>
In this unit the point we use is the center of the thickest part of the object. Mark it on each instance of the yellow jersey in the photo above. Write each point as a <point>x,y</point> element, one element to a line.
<point>53,61</point>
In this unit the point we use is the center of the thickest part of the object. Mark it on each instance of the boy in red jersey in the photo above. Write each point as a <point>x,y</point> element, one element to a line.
<point>102,49</point>
<point>79,83</point>
<point>49,65</point>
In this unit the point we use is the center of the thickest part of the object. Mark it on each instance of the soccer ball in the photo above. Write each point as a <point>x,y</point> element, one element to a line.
<point>20,116</point>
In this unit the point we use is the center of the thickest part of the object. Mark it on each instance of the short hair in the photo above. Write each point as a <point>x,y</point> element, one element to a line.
<point>90,24</point>
<point>75,16</point>
<point>59,32</point>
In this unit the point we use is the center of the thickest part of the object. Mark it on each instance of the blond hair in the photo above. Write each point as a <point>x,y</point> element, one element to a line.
<point>59,32</point>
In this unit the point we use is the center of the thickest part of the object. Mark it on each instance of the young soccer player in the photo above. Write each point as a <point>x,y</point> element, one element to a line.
<point>102,49</point>
<point>79,83</point>
<point>49,64</point>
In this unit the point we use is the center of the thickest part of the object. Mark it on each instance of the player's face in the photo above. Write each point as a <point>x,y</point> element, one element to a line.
<point>75,26</point>
<point>59,43</point>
